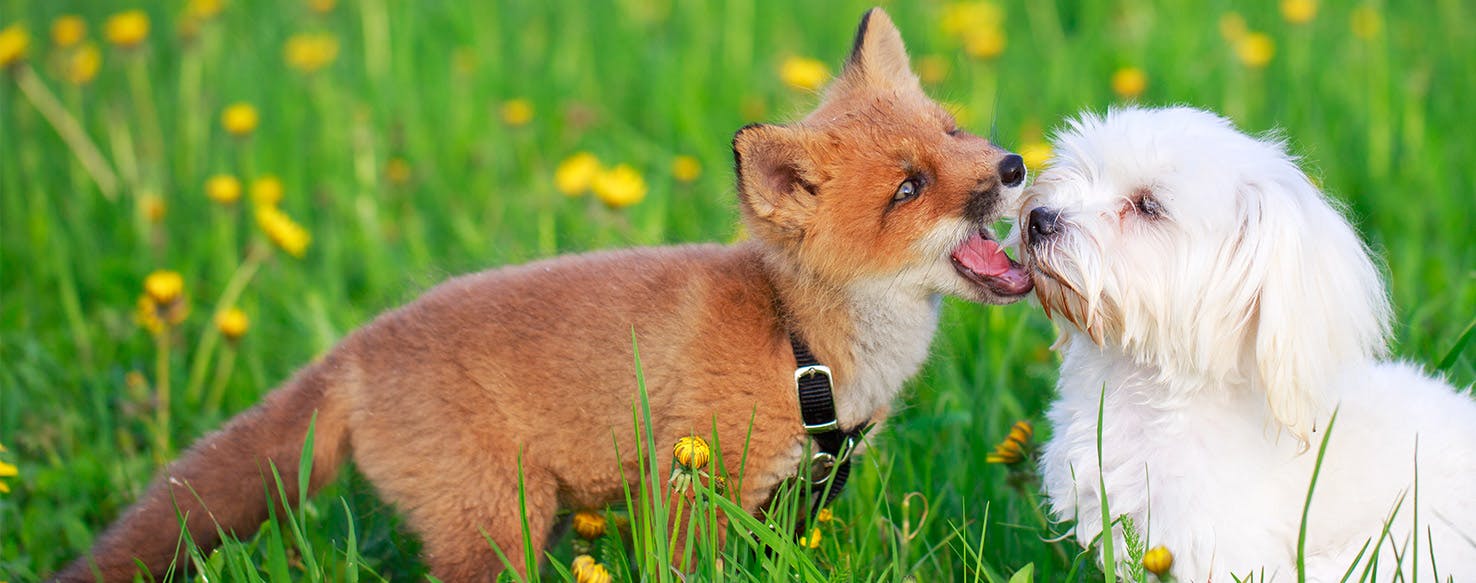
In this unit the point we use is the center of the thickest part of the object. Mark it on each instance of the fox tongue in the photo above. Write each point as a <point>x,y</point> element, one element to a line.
<point>982,256</point>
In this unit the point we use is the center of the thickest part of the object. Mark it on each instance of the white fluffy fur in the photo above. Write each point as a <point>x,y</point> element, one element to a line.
<point>1225,334</point>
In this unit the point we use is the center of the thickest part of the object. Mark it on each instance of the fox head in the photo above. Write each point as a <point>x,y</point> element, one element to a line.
<point>879,182</point>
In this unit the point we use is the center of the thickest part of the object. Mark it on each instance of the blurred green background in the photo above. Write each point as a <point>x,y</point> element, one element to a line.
<point>412,140</point>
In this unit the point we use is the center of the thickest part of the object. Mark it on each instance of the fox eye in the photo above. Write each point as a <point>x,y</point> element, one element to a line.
<point>908,190</point>
<point>1148,206</point>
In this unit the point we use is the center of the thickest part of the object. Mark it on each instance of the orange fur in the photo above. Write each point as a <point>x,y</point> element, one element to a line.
<point>436,401</point>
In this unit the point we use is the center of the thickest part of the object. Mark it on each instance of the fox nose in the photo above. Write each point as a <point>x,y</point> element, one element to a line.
<point>1012,170</point>
<point>1043,223</point>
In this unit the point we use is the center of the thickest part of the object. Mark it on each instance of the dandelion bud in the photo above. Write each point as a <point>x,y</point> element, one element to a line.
<point>803,74</point>
<point>1129,82</point>
<point>232,324</point>
<point>127,29</point>
<point>685,169</point>
<point>589,524</point>
<point>1158,560</point>
<point>692,452</point>
<point>239,119</point>
<point>68,30</point>
<point>13,42</point>
<point>575,173</point>
<point>620,187</point>
<point>164,286</point>
<point>266,191</point>
<point>223,188</point>
<point>517,112</point>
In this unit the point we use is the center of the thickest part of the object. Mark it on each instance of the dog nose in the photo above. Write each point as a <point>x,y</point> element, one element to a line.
<point>1012,170</point>
<point>1043,222</point>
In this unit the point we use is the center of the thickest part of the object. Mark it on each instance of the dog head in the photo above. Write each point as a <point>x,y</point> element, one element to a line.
<point>879,182</point>
<point>1203,253</point>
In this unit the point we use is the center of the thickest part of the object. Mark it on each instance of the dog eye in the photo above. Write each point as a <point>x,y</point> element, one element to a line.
<point>908,190</point>
<point>1148,206</point>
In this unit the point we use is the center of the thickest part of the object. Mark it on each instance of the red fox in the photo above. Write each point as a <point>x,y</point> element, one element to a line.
<point>862,215</point>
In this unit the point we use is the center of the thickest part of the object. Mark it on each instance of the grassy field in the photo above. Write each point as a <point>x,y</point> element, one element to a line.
<point>416,140</point>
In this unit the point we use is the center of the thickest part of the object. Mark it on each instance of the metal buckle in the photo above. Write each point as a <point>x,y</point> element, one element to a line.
<point>822,462</point>
<point>814,369</point>
<point>820,465</point>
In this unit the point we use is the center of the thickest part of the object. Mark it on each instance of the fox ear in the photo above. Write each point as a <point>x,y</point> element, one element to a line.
<point>878,57</point>
<point>776,177</point>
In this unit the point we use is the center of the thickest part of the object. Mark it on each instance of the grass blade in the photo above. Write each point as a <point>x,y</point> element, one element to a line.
<point>1307,506</point>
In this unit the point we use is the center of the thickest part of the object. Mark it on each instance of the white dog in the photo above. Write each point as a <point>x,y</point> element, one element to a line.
<point>1224,311</point>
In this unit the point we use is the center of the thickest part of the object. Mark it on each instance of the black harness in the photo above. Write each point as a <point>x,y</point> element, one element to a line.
<point>830,465</point>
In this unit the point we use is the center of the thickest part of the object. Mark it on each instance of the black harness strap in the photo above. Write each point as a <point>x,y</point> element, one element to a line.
<point>831,464</point>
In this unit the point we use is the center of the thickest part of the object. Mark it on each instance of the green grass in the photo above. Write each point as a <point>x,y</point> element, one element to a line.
<point>1381,122</point>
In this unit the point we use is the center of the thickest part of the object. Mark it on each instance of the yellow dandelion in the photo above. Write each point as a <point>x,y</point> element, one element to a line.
<point>397,171</point>
<point>310,52</point>
<point>1036,155</point>
<point>1129,82</point>
<point>691,452</point>
<point>135,381</point>
<point>985,43</point>
<point>960,18</point>
<point>127,29</point>
<point>1158,560</point>
<point>1366,22</point>
<point>516,112</point>
<point>1298,11</point>
<point>932,69</point>
<point>164,286</point>
<point>595,573</point>
<point>1021,432</point>
<point>68,30</point>
<point>232,324</point>
<point>322,6</point>
<point>282,230</point>
<point>686,168</point>
<point>1255,50</point>
<point>223,188</point>
<point>13,42</point>
<point>811,540</point>
<point>82,65</point>
<point>1007,452</point>
<point>581,564</point>
<point>7,470</point>
<point>1012,449</point>
<point>589,524</point>
<point>1232,26</point>
<point>239,119</point>
<point>147,315</point>
<point>824,516</point>
<point>152,207</point>
<point>266,191</point>
<point>619,187</point>
<point>575,174</point>
<point>202,10</point>
<point>804,74</point>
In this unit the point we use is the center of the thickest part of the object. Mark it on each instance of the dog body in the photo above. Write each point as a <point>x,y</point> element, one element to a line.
<point>1217,311</point>
<point>862,214</point>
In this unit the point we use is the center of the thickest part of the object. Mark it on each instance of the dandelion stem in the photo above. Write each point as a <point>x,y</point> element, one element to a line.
<point>228,298</point>
<point>223,371</point>
<point>70,131</point>
<point>143,97</point>
<point>161,394</point>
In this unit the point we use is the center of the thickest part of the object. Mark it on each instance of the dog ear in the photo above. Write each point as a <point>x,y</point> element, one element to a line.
<point>878,58</point>
<point>1321,304</point>
<point>776,178</point>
